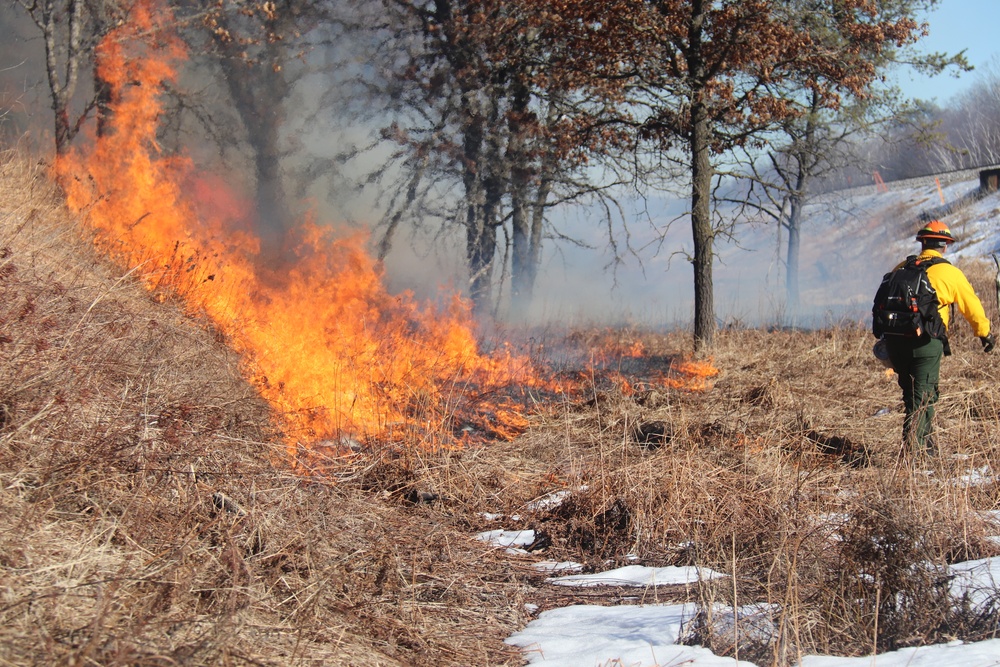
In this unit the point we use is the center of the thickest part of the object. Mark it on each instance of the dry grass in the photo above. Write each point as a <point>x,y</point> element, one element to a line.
<point>783,476</point>
<point>146,516</point>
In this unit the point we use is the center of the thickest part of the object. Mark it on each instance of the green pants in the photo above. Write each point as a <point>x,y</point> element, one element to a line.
<point>917,362</point>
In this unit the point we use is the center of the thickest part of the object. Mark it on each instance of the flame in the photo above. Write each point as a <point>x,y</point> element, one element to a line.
<point>341,360</point>
<point>692,376</point>
<point>321,338</point>
<point>608,347</point>
<point>635,350</point>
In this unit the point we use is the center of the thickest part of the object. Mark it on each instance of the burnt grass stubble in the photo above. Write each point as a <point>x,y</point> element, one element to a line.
<point>149,516</point>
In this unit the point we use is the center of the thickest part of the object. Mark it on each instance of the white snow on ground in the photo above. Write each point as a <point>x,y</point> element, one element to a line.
<point>550,500</point>
<point>975,477</point>
<point>978,579</point>
<point>639,576</point>
<point>953,654</point>
<point>507,538</point>
<point>647,635</point>
<point>585,635</point>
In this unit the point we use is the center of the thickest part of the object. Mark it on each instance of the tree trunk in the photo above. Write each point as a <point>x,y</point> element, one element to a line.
<point>272,209</point>
<point>522,274</point>
<point>792,258</point>
<point>533,244</point>
<point>478,246</point>
<point>536,224</point>
<point>62,77</point>
<point>702,231</point>
<point>258,92</point>
<point>102,87</point>
<point>103,104</point>
<point>701,186</point>
<point>805,163</point>
<point>482,244</point>
<point>493,190</point>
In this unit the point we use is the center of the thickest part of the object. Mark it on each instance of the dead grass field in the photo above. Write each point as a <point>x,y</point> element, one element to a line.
<point>147,516</point>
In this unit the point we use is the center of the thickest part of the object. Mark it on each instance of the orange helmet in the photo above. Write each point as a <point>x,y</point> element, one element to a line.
<point>935,230</point>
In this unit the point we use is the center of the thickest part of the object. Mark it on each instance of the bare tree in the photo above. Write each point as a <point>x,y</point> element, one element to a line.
<point>71,32</point>
<point>483,101</point>
<point>257,50</point>
<point>970,124</point>
<point>819,141</point>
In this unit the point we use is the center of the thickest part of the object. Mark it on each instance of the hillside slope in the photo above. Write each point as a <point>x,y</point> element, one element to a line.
<point>148,517</point>
<point>145,517</point>
<point>849,239</point>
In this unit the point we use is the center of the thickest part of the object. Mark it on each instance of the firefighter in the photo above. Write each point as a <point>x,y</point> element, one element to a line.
<point>917,361</point>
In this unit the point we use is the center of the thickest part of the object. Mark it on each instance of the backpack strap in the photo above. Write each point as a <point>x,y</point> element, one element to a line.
<point>926,262</point>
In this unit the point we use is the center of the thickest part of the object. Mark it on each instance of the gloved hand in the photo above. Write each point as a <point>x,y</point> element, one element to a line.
<point>988,342</point>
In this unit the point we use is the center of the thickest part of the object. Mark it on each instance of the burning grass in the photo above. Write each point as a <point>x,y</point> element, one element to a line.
<point>341,360</point>
<point>204,462</point>
<point>148,517</point>
<point>143,520</point>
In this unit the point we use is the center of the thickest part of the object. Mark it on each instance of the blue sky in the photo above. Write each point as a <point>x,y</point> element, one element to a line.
<point>955,25</point>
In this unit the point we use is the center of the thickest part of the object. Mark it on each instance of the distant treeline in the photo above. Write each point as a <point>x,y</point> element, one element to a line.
<point>964,133</point>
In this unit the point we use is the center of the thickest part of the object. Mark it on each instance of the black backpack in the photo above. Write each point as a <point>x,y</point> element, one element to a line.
<point>906,303</point>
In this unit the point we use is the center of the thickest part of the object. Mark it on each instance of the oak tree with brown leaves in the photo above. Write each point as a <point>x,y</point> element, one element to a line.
<point>712,75</point>
<point>821,141</point>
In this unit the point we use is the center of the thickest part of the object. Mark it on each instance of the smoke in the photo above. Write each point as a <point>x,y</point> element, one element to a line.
<point>648,283</point>
<point>25,105</point>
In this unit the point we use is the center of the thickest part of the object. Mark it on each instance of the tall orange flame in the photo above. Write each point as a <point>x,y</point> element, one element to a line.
<point>323,341</point>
